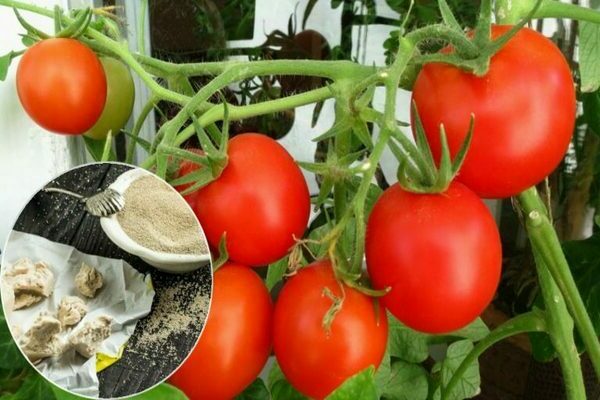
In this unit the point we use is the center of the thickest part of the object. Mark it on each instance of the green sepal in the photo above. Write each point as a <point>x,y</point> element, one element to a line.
<point>78,26</point>
<point>33,31</point>
<point>223,254</point>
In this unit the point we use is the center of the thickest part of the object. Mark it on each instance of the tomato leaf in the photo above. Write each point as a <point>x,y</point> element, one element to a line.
<point>405,343</point>
<point>280,388</point>
<point>359,386</point>
<point>34,387</point>
<point>407,382</point>
<point>4,64</point>
<point>162,391</point>
<point>468,385</point>
<point>96,149</point>
<point>589,56</point>
<point>383,374</point>
<point>584,259</point>
<point>475,331</point>
<point>448,16</point>
<point>256,391</point>
<point>275,272</point>
<point>10,356</point>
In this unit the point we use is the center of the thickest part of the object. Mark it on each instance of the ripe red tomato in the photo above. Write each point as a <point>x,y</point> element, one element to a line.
<point>524,111</point>
<point>314,360</point>
<point>62,85</point>
<point>187,167</point>
<point>440,254</point>
<point>236,341</point>
<point>261,201</point>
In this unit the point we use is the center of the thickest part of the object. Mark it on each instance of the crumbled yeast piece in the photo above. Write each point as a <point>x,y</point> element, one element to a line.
<point>41,340</point>
<point>30,283</point>
<point>87,339</point>
<point>71,310</point>
<point>88,280</point>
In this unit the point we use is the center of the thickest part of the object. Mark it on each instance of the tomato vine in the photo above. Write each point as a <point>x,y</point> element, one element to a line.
<point>352,87</point>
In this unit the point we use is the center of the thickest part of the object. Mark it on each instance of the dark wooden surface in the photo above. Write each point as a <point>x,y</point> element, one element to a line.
<point>63,219</point>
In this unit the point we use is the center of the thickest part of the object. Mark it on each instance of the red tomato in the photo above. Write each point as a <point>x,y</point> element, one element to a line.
<point>187,167</point>
<point>314,360</point>
<point>260,200</point>
<point>62,85</point>
<point>524,111</point>
<point>236,341</point>
<point>440,254</point>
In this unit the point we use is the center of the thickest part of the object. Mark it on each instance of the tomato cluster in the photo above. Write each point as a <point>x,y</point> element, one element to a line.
<point>65,88</point>
<point>438,254</point>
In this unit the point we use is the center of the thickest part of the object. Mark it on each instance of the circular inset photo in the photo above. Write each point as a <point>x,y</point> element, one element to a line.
<point>106,280</point>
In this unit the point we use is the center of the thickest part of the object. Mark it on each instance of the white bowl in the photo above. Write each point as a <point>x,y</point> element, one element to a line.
<point>167,262</point>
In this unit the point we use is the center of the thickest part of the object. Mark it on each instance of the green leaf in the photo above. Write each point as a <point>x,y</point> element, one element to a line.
<point>591,110</point>
<point>360,386</point>
<point>447,15</point>
<point>256,391</point>
<point>407,382</point>
<point>475,331</point>
<point>362,133</point>
<point>405,343</point>
<point>275,272</point>
<point>4,64</point>
<point>10,356</point>
<point>468,385</point>
<point>584,259</point>
<point>383,374</point>
<point>160,392</point>
<point>96,149</point>
<point>318,249</point>
<point>589,56</point>
<point>280,388</point>
<point>35,388</point>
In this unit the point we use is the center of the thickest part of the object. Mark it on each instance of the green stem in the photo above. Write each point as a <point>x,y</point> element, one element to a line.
<point>530,322</point>
<point>326,69</point>
<point>137,127</point>
<point>141,37</point>
<point>463,45</point>
<point>392,80</point>
<point>342,144</point>
<point>560,329</point>
<point>545,240</point>
<point>510,11</point>
<point>236,113</point>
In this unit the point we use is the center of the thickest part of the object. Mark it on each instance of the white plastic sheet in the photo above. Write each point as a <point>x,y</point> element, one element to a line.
<point>126,297</point>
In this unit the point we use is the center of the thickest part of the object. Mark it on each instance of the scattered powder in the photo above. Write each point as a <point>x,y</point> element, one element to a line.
<point>158,218</point>
<point>171,318</point>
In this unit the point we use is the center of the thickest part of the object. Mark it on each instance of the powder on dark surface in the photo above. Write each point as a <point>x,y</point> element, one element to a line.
<point>158,218</point>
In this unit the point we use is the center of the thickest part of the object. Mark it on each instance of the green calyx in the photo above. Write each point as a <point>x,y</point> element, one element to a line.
<point>472,51</point>
<point>81,20</point>
<point>419,173</point>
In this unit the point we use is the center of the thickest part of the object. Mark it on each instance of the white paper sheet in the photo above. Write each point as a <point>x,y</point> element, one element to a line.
<point>126,297</point>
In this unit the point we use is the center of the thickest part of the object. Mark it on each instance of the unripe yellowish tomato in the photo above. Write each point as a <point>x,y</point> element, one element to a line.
<point>119,100</point>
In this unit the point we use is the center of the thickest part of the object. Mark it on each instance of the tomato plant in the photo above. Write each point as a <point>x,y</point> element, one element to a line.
<point>315,355</point>
<point>62,85</point>
<point>236,341</point>
<point>120,94</point>
<point>260,201</point>
<point>524,109</point>
<point>432,248</point>
<point>187,167</point>
<point>440,254</point>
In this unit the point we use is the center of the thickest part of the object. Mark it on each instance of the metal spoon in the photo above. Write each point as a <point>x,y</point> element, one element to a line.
<point>101,204</point>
